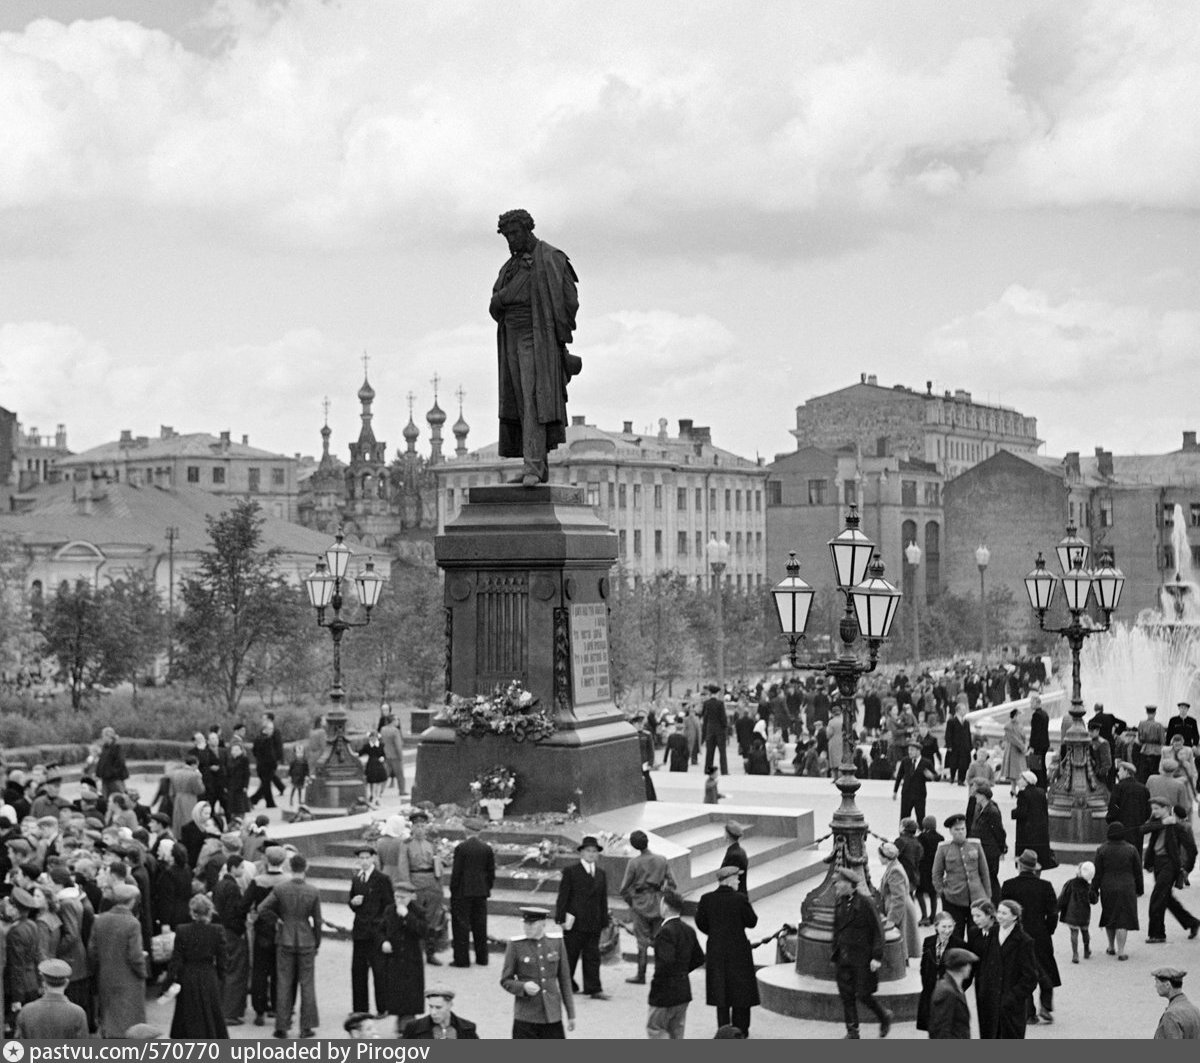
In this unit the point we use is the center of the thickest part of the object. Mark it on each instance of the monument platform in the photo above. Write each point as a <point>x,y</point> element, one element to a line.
<point>784,990</point>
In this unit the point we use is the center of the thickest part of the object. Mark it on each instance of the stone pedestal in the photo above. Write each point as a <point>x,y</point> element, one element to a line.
<point>338,780</point>
<point>526,593</point>
<point>1077,799</point>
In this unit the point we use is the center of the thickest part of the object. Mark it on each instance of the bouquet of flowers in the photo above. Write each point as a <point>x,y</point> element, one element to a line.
<point>495,784</point>
<point>510,710</point>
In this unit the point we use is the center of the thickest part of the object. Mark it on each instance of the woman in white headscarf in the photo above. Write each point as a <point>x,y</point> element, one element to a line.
<point>895,899</point>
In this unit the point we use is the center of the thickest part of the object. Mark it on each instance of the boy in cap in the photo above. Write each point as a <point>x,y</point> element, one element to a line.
<point>949,1013</point>
<point>1180,1020</point>
<point>439,1023</point>
<point>537,974</point>
<point>53,1016</point>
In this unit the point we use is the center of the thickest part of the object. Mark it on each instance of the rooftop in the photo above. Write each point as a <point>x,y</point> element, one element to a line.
<point>174,445</point>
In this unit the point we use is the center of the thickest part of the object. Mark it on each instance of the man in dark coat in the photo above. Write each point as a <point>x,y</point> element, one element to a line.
<point>677,953</point>
<point>725,915</point>
<point>582,909</point>
<point>988,827</point>
<point>949,1013</point>
<point>678,751</point>
<point>1183,724</point>
<point>959,744</point>
<point>735,855</point>
<point>983,939</point>
<point>1170,850</point>
<point>267,749</point>
<point>534,302</point>
<point>1039,919</point>
<point>263,982</point>
<point>439,1023</point>
<point>370,895</point>
<point>912,773</point>
<point>297,938</point>
<point>1032,816</point>
<point>1039,739</point>
<point>111,769</point>
<point>714,726</point>
<point>1129,804</point>
<point>472,877</point>
<point>857,952</point>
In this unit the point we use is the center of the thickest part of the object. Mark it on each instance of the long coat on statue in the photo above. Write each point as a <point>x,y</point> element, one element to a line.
<point>725,915</point>
<point>554,302</point>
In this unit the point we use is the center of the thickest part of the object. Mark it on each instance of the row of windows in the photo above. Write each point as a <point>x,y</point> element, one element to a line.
<point>278,476</point>
<point>734,581</point>
<point>819,493</point>
<point>752,543</point>
<point>735,498</point>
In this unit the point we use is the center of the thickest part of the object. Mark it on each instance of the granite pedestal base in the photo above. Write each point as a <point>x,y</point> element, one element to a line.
<point>782,989</point>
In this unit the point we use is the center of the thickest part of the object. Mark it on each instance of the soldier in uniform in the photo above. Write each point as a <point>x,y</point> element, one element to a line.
<point>52,1016</point>
<point>420,865</point>
<point>537,974</point>
<point>647,876</point>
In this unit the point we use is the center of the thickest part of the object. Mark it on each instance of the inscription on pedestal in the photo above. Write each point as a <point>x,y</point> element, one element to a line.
<point>589,659</point>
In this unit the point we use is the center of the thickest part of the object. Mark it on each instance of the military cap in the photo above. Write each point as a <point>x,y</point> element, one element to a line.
<point>55,968</point>
<point>534,915</point>
<point>439,989</point>
<point>1170,974</point>
<point>959,958</point>
<point>954,820</point>
<point>418,815</point>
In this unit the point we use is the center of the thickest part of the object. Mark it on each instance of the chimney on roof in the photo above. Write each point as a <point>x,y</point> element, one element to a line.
<point>862,378</point>
<point>126,436</point>
<point>578,419</point>
<point>245,440</point>
<point>1104,462</point>
<point>60,437</point>
<point>685,428</point>
<point>165,431</point>
<point>872,379</point>
<point>928,387</point>
<point>1071,464</point>
<point>224,440</point>
<point>1189,441</point>
<point>143,441</point>
<point>702,435</point>
<point>628,428</point>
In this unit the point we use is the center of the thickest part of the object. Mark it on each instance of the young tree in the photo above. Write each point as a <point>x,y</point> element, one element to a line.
<point>133,626</point>
<point>237,610</point>
<point>74,631</point>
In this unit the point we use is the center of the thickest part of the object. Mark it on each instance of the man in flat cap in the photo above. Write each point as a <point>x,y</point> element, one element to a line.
<point>370,895</point>
<point>1180,1020</point>
<point>1170,856</point>
<point>724,915</point>
<point>582,910</point>
<point>1129,804</point>
<point>118,963</point>
<point>263,982</point>
<point>537,974</point>
<point>472,877</point>
<point>439,1023</point>
<point>52,1016</point>
<point>960,872</point>
<point>1151,737</point>
<point>857,951</point>
<point>534,302</point>
<point>949,1013</point>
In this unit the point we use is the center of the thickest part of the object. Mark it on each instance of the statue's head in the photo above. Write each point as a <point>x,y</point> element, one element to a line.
<point>516,226</point>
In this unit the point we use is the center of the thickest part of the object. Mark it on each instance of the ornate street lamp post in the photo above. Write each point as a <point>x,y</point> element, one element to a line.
<point>339,773</point>
<point>717,551</point>
<point>982,556</point>
<point>912,554</point>
<point>1078,800</point>
<point>871,604</point>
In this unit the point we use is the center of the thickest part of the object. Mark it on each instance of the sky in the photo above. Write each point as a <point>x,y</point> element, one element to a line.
<point>210,209</point>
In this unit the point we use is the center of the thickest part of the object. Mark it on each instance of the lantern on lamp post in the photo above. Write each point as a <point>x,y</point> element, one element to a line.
<point>338,776</point>
<point>717,551</point>
<point>1078,800</point>
<point>912,554</point>
<point>982,556</point>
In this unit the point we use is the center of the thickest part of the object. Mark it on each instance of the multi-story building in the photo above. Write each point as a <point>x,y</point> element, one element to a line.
<point>664,495</point>
<point>210,463</point>
<point>809,492</point>
<point>950,431</point>
<point>1020,505</point>
<point>38,456</point>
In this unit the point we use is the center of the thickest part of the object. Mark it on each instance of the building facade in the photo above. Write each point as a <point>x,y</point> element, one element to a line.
<point>198,460</point>
<point>949,431</point>
<point>665,496</point>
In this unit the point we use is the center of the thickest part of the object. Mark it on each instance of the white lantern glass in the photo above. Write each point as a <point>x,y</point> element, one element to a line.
<point>369,585</point>
<point>982,556</point>
<point>1108,582</point>
<point>1077,586</point>
<point>793,600</point>
<point>319,585</point>
<point>337,557</point>
<point>1040,585</point>
<point>875,602</point>
<point>1072,549</point>
<point>851,552</point>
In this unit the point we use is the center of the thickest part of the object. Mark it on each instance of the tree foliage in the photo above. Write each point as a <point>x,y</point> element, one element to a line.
<point>77,635</point>
<point>238,610</point>
<point>18,635</point>
<point>134,624</point>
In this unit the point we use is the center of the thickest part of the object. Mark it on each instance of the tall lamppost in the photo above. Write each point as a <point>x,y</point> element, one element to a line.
<point>871,604</point>
<point>912,554</point>
<point>982,556</point>
<point>717,551</point>
<point>339,772</point>
<point>172,535</point>
<point>1078,800</point>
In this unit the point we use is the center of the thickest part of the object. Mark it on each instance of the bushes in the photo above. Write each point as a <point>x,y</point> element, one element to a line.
<point>160,714</point>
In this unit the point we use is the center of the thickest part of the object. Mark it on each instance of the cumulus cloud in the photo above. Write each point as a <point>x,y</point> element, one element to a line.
<point>1091,370</point>
<point>347,124</point>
